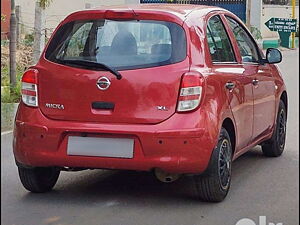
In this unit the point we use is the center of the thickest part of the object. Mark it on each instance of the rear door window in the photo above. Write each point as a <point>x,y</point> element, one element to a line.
<point>119,44</point>
<point>219,44</point>
<point>245,43</point>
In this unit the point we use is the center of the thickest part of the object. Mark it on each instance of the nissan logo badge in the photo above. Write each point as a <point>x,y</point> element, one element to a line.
<point>103,83</point>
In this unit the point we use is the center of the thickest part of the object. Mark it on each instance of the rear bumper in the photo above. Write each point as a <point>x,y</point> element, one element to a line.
<point>177,145</point>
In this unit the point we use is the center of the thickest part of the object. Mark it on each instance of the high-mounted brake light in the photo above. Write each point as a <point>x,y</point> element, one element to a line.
<point>121,15</point>
<point>190,91</point>
<point>29,88</point>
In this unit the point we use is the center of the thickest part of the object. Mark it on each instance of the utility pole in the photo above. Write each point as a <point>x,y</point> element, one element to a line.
<point>248,15</point>
<point>12,45</point>
<point>18,13</point>
<point>39,38</point>
<point>293,17</point>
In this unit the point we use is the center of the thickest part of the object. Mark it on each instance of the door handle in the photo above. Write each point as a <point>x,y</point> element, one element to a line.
<point>255,82</point>
<point>230,85</point>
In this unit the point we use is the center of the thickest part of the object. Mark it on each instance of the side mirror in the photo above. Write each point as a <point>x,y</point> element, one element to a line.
<point>273,56</point>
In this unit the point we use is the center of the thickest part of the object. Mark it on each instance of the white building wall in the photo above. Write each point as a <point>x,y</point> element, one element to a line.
<point>59,9</point>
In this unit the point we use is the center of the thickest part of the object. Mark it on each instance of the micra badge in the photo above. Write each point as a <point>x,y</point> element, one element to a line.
<point>55,106</point>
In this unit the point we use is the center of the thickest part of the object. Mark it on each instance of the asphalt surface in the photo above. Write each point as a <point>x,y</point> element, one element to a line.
<point>260,187</point>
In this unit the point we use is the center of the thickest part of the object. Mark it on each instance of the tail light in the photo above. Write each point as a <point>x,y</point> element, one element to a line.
<point>29,88</point>
<point>190,91</point>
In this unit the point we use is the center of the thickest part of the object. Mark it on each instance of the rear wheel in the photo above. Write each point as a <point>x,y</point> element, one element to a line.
<point>275,146</point>
<point>38,179</point>
<point>214,184</point>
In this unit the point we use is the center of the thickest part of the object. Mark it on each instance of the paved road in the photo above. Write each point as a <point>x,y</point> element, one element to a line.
<point>260,187</point>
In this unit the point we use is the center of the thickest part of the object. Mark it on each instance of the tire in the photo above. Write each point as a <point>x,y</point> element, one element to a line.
<point>275,146</point>
<point>38,179</point>
<point>213,185</point>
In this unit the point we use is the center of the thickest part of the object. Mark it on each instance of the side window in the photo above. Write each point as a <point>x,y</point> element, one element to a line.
<point>219,44</point>
<point>77,42</point>
<point>246,46</point>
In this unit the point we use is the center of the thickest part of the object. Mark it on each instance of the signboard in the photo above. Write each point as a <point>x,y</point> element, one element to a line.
<point>282,25</point>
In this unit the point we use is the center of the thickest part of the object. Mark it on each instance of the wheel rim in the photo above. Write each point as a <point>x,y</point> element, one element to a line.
<point>281,129</point>
<point>225,164</point>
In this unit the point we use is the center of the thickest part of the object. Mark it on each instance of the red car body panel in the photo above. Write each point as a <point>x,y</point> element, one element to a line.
<point>169,145</point>
<point>128,93</point>
<point>175,142</point>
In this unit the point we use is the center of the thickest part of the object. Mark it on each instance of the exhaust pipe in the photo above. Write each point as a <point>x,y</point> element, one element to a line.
<point>166,177</point>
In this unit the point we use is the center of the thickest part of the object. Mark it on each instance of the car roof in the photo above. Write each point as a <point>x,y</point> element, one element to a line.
<point>175,12</point>
<point>183,9</point>
<point>180,10</point>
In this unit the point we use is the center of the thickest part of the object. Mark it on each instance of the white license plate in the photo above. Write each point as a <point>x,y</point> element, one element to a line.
<point>102,147</point>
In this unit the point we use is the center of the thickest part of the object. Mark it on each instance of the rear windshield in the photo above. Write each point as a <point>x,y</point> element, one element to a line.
<point>119,44</point>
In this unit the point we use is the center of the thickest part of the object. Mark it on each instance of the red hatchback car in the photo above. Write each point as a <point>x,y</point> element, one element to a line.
<point>174,89</point>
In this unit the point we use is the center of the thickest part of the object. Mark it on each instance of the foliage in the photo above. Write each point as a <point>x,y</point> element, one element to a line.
<point>12,95</point>
<point>255,33</point>
<point>5,74</point>
<point>3,17</point>
<point>44,3</point>
<point>4,42</point>
<point>28,40</point>
<point>24,59</point>
<point>23,55</point>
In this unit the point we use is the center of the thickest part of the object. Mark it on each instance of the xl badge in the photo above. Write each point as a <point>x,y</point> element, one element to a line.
<point>162,108</point>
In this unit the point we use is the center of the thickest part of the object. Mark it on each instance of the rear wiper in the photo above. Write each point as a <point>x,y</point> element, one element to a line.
<point>91,64</point>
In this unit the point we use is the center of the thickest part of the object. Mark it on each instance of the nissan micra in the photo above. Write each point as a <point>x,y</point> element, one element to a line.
<point>172,89</point>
